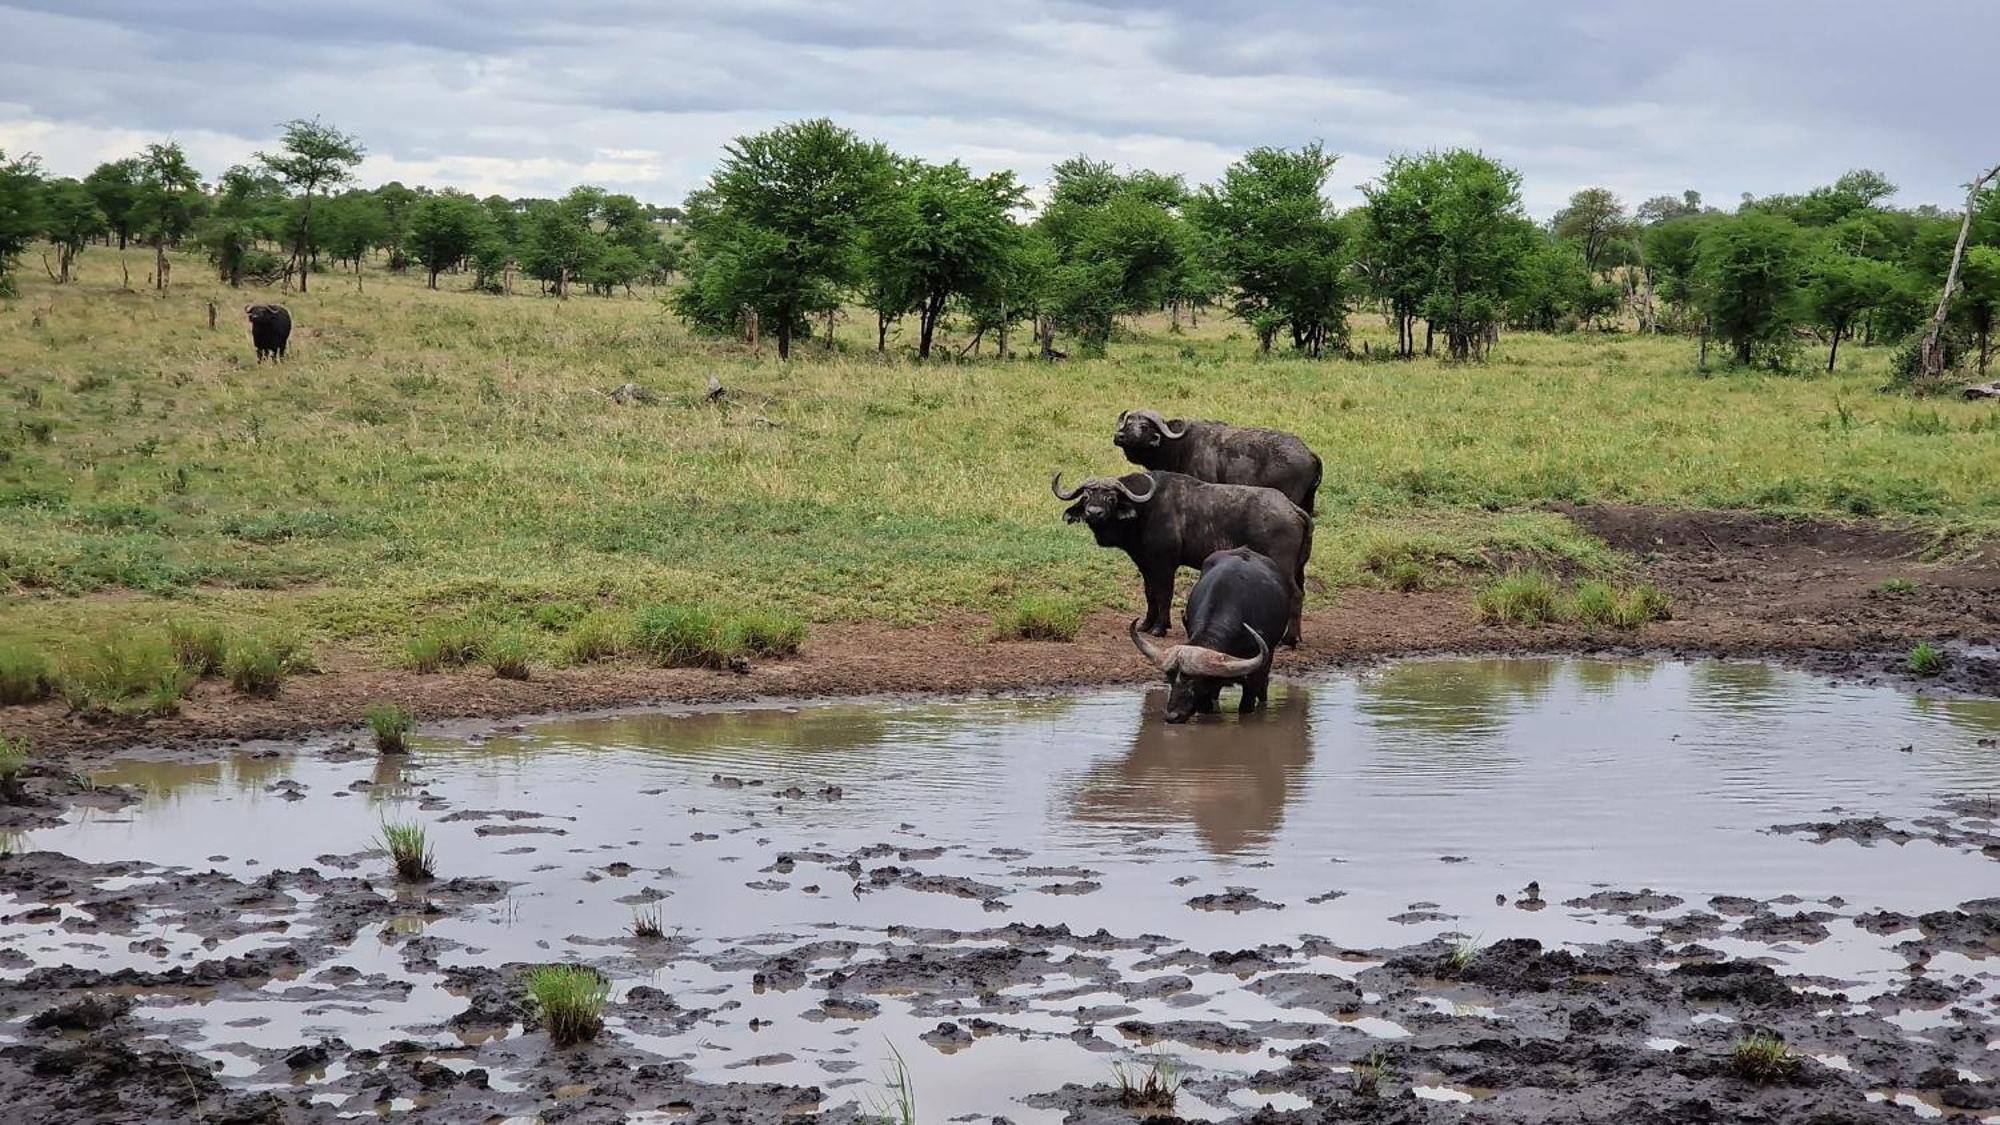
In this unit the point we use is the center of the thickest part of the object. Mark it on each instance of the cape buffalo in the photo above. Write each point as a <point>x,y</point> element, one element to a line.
<point>1165,521</point>
<point>1220,453</point>
<point>270,328</point>
<point>1241,596</point>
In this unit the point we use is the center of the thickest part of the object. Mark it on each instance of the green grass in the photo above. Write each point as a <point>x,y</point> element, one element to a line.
<point>679,634</point>
<point>1520,597</point>
<point>124,673</point>
<point>572,999</point>
<point>1762,1057</point>
<point>1600,604</point>
<point>13,759</point>
<point>257,664</point>
<point>1151,1088</point>
<point>1371,1074</point>
<point>897,1103</point>
<point>447,645</point>
<point>409,851</point>
<point>1896,585</point>
<point>509,654</point>
<point>392,724</point>
<point>148,469</point>
<point>599,635</point>
<point>1041,617</point>
<point>1464,954</point>
<point>201,646</point>
<point>1925,659</point>
<point>26,676</point>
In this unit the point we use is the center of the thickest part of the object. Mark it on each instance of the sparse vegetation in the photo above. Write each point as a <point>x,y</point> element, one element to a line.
<point>1371,1074</point>
<point>1464,954</point>
<point>1926,659</point>
<point>1763,1057</point>
<point>508,654</point>
<point>1150,1087</point>
<point>258,664</point>
<point>25,674</point>
<point>1040,617</point>
<point>409,850</point>
<point>677,634</point>
<point>1598,604</point>
<point>200,646</point>
<point>392,724</point>
<point>897,1103</point>
<point>127,673</point>
<point>13,759</point>
<point>1896,585</point>
<point>646,923</point>
<point>600,635</point>
<point>446,645</point>
<point>572,999</point>
<point>1521,597</point>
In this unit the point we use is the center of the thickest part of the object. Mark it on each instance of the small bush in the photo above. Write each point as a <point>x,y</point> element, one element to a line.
<point>1153,1087</point>
<point>126,674</point>
<point>1525,597</point>
<point>1040,617</point>
<point>508,655</point>
<point>258,664</point>
<point>598,636</point>
<point>200,646</point>
<point>392,724</point>
<point>572,1000</point>
<point>448,645</point>
<point>1762,1057</point>
<point>1926,659</point>
<point>1642,603</point>
<point>25,675</point>
<point>1593,604</point>
<point>674,634</point>
<point>409,850</point>
<point>1896,586</point>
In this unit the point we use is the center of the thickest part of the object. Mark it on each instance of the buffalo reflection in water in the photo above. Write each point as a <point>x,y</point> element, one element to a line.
<point>1232,776</point>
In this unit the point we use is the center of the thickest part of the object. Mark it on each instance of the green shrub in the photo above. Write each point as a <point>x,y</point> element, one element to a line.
<point>1896,586</point>
<point>572,1000</point>
<point>598,636</point>
<point>675,634</point>
<point>1926,659</point>
<point>446,645</point>
<point>392,724</point>
<point>1593,604</point>
<point>1643,603</point>
<point>255,667</point>
<point>125,674</point>
<point>200,646</point>
<point>1526,597</point>
<point>25,675</point>
<point>508,655</point>
<point>1040,617</point>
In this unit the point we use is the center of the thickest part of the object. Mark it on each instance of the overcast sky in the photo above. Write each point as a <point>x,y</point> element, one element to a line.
<point>530,97</point>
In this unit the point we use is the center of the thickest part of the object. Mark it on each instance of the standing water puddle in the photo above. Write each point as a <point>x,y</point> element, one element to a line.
<point>837,881</point>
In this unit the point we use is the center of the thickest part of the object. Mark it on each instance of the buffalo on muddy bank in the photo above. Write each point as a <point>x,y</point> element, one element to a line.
<point>1220,453</point>
<point>1241,596</point>
<point>1165,521</point>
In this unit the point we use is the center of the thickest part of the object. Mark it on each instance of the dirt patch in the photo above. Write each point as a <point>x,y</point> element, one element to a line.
<point>1804,592</point>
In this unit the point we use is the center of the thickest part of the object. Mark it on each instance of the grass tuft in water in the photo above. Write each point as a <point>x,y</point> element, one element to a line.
<point>125,674</point>
<point>409,849</point>
<point>508,654</point>
<point>572,1000</point>
<point>1151,1087</point>
<point>25,674</point>
<point>1371,1074</point>
<point>1464,954</point>
<point>1040,617</point>
<point>1926,659</point>
<point>392,724</point>
<point>897,1103</point>
<point>646,923</point>
<point>1520,597</point>
<point>1762,1057</point>
<point>678,634</point>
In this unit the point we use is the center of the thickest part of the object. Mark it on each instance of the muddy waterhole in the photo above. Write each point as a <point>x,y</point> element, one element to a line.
<point>1015,894</point>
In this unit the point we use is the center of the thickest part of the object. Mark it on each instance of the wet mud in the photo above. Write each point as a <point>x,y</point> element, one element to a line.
<point>1357,906</point>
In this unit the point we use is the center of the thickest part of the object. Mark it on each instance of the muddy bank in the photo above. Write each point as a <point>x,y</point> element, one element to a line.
<point>1800,592</point>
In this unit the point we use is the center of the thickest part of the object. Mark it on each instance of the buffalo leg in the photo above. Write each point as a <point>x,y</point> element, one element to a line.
<point>1159,603</point>
<point>1255,690</point>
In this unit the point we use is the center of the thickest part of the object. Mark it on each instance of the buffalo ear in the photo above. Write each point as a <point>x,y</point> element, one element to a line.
<point>1073,513</point>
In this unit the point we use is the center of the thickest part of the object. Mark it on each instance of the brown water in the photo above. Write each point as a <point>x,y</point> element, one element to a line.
<point>1427,794</point>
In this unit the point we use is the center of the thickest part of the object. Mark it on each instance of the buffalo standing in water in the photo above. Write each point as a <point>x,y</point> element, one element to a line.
<point>270,328</point>
<point>1165,521</point>
<point>1241,597</point>
<point>1220,453</point>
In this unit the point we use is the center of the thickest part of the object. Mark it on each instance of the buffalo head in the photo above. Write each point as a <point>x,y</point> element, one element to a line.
<point>1195,675</point>
<point>1144,429</point>
<point>1100,500</point>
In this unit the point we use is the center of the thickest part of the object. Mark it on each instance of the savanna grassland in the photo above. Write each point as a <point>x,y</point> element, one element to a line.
<point>430,460</point>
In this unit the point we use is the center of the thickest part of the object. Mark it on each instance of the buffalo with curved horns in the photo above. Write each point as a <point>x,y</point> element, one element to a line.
<point>270,330</point>
<point>1165,521</point>
<point>1221,453</point>
<point>1239,591</point>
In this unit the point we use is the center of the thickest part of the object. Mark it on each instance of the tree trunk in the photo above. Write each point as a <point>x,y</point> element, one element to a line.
<point>829,328</point>
<point>1702,363</point>
<point>1001,350</point>
<point>1833,351</point>
<point>1174,315</point>
<point>160,265</point>
<point>211,316</point>
<point>1430,336</point>
<point>1932,363</point>
<point>881,331</point>
<point>1047,330</point>
<point>785,335</point>
<point>1743,352</point>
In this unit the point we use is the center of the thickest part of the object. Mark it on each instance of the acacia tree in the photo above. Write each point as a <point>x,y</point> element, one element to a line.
<point>778,226</point>
<point>444,229</point>
<point>1481,238</point>
<point>942,233</point>
<point>1979,298</point>
<point>1279,245</point>
<point>1596,221</point>
<point>115,188</point>
<point>167,202</point>
<point>1843,289</point>
<point>20,211</point>
<point>1399,242</point>
<point>70,218</point>
<point>1751,269</point>
<point>1115,245</point>
<point>315,157</point>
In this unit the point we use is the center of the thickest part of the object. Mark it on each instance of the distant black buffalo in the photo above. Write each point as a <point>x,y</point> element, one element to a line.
<point>1220,453</point>
<point>270,328</point>
<point>1241,598</point>
<point>1165,521</point>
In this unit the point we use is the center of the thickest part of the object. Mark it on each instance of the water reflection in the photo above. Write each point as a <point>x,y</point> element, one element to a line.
<point>1736,686</point>
<point>1450,716</point>
<point>1977,715</point>
<point>1231,777</point>
<point>165,782</point>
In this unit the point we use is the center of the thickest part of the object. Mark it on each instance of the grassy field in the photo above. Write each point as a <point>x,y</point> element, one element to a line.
<point>431,457</point>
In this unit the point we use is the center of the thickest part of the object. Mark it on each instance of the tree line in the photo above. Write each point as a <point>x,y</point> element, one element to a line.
<point>800,223</point>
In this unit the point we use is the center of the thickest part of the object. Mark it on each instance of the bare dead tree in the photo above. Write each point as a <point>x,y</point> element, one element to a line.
<point>1932,359</point>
